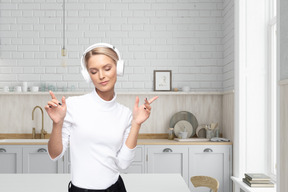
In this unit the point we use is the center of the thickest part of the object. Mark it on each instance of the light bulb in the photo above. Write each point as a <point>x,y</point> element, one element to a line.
<point>63,61</point>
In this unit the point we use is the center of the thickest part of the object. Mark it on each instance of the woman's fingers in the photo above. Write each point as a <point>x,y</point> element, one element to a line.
<point>55,100</point>
<point>136,102</point>
<point>63,101</point>
<point>147,105</point>
<point>52,104</point>
<point>52,95</point>
<point>153,99</point>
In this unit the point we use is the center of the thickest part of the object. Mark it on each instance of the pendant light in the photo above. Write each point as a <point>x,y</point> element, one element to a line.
<point>63,51</point>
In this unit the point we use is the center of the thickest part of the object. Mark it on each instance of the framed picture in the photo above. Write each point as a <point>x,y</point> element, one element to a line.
<point>162,80</point>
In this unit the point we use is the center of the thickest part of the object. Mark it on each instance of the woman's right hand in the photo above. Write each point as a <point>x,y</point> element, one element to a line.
<point>55,109</point>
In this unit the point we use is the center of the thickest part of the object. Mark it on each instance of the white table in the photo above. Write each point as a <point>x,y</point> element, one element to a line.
<point>59,182</point>
<point>239,184</point>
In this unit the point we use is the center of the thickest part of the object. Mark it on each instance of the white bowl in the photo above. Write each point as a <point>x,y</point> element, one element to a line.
<point>186,88</point>
<point>34,89</point>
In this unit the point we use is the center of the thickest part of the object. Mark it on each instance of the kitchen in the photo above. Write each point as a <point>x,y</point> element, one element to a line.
<point>196,41</point>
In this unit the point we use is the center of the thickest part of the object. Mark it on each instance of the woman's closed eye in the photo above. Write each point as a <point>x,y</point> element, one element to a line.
<point>93,72</point>
<point>107,68</point>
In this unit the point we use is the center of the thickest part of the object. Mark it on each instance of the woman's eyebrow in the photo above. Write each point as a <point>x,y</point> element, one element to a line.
<point>101,67</point>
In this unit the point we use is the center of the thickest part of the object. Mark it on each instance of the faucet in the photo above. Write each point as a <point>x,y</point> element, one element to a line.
<point>43,132</point>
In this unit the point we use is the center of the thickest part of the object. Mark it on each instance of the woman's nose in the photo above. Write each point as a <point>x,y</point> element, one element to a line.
<point>101,74</point>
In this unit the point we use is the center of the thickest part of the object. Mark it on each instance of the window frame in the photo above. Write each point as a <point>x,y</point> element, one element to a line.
<point>272,92</point>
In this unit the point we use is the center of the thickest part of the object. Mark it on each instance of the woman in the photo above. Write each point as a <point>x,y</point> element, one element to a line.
<point>102,134</point>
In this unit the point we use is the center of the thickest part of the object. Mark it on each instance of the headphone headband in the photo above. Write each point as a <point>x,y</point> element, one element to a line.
<point>120,62</point>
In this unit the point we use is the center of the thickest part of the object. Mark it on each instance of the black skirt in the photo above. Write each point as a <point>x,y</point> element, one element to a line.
<point>116,187</point>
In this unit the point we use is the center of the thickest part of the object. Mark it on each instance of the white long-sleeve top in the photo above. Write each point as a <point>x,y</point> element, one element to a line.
<point>96,131</point>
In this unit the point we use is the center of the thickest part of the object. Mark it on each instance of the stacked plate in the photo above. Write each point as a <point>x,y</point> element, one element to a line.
<point>184,121</point>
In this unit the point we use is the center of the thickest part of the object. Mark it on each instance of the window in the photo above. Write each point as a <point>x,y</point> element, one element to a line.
<point>272,89</point>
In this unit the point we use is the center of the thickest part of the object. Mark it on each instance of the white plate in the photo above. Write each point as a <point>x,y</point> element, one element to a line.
<point>184,115</point>
<point>183,125</point>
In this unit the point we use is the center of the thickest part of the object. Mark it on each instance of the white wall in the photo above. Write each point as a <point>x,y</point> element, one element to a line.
<point>183,36</point>
<point>228,43</point>
<point>284,39</point>
<point>282,168</point>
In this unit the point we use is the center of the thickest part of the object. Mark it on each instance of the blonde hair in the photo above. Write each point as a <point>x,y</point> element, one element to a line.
<point>101,51</point>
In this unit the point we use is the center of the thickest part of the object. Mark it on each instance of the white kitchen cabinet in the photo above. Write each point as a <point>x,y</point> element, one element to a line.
<point>214,161</point>
<point>137,165</point>
<point>167,159</point>
<point>10,159</point>
<point>37,160</point>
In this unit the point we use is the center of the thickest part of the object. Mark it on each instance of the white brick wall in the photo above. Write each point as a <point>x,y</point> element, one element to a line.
<point>228,43</point>
<point>184,36</point>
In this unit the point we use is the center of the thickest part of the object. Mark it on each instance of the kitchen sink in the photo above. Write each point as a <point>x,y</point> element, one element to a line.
<point>24,140</point>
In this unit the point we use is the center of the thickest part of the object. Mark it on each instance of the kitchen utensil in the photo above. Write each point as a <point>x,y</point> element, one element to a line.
<point>183,126</point>
<point>214,125</point>
<point>184,115</point>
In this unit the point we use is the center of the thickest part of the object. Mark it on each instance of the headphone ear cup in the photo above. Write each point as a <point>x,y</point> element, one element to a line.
<point>86,75</point>
<point>120,67</point>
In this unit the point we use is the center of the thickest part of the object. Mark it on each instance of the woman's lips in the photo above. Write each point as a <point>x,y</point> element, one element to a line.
<point>104,83</point>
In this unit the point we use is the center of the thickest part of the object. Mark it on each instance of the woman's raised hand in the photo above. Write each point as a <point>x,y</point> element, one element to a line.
<point>142,113</point>
<point>55,109</point>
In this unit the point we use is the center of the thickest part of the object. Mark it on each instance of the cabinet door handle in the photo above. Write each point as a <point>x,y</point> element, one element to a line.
<point>208,150</point>
<point>167,150</point>
<point>42,150</point>
<point>2,150</point>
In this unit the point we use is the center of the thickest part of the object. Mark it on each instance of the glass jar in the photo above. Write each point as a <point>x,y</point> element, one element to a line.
<point>171,134</point>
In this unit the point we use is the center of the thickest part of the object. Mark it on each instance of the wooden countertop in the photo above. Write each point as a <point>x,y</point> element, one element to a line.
<point>140,142</point>
<point>172,142</point>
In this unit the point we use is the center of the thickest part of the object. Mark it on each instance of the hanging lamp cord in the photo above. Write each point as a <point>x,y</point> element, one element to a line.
<point>64,24</point>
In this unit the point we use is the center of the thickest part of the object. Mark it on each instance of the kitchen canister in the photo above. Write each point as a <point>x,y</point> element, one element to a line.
<point>171,133</point>
<point>24,86</point>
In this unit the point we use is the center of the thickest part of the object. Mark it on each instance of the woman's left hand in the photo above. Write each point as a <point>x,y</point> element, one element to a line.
<point>142,113</point>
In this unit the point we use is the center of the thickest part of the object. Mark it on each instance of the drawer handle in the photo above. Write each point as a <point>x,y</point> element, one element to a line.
<point>208,150</point>
<point>42,150</point>
<point>2,150</point>
<point>167,150</point>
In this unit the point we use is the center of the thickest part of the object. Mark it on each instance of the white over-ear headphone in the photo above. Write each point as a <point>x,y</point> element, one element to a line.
<point>120,62</point>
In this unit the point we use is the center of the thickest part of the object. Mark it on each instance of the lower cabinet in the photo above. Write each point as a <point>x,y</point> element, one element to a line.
<point>28,159</point>
<point>10,159</point>
<point>187,160</point>
<point>37,160</point>
<point>167,159</point>
<point>137,165</point>
<point>214,161</point>
<point>191,160</point>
